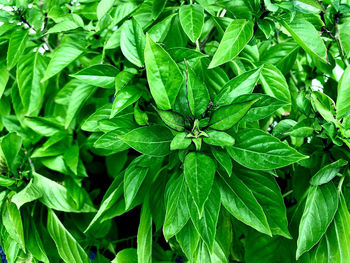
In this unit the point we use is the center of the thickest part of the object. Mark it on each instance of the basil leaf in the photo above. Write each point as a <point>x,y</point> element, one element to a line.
<point>192,20</point>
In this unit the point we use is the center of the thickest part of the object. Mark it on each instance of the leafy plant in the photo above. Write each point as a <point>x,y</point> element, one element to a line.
<point>174,131</point>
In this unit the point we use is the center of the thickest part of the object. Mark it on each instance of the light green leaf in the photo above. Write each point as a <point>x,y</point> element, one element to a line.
<point>17,44</point>
<point>159,31</point>
<point>4,77</point>
<point>158,7</point>
<point>327,173</point>
<point>199,172</point>
<point>144,234</point>
<point>227,116</point>
<point>343,96</point>
<point>128,255</point>
<point>68,248</point>
<point>164,87</point>
<point>133,178</point>
<point>260,184</point>
<point>239,200</point>
<point>192,20</point>
<point>256,149</point>
<point>197,94</point>
<point>26,195</point>
<point>67,52</point>
<point>236,36</point>
<point>12,221</point>
<point>44,126</point>
<point>103,7</point>
<point>132,42</point>
<point>176,214</point>
<point>78,98</point>
<point>33,241</point>
<point>305,34</point>
<point>98,75</point>
<point>150,140</point>
<point>240,85</point>
<point>274,83</point>
<point>30,70</point>
<point>223,159</point>
<point>188,239</point>
<point>207,221</point>
<point>10,147</point>
<point>320,208</point>
<point>344,36</point>
<point>124,98</point>
<point>218,138</point>
<point>172,119</point>
<point>110,142</point>
<point>180,142</point>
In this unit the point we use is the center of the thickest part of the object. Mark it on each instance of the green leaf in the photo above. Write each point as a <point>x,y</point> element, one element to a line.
<point>236,36</point>
<point>199,172</point>
<point>172,119</point>
<point>274,83</point>
<point>144,234</point>
<point>110,142</point>
<point>164,87</point>
<point>158,7</point>
<point>197,94</point>
<point>327,173</point>
<point>103,7</point>
<point>176,209</point>
<point>4,77</point>
<point>320,208</point>
<point>218,138</point>
<point>188,239</point>
<point>78,98</point>
<point>30,70</point>
<point>305,34</point>
<point>68,248</point>
<point>128,255</point>
<point>33,241</point>
<point>26,195</point>
<point>242,84</point>
<point>223,159</point>
<point>98,75</point>
<point>12,221</point>
<point>227,116</point>
<point>207,221</point>
<point>239,200</point>
<point>133,178</point>
<point>151,140</point>
<point>343,96</point>
<point>44,126</point>
<point>256,149</point>
<point>132,42</point>
<point>344,36</point>
<point>180,142</point>
<point>334,245</point>
<point>159,31</point>
<point>10,147</point>
<point>264,107</point>
<point>124,98</point>
<point>192,20</point>
<point>67,52</point>
<point>57,197</point>
<point>17,44</point>
<point>91,123</point>
<point>260,184</point>
<point>325,106</point>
